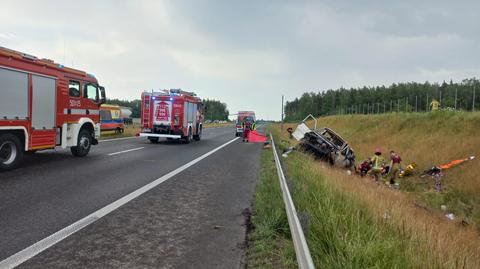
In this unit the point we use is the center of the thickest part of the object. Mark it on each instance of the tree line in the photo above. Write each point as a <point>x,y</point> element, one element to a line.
<point>216,110</point>
<point>398,97</point>
<point>134,105</point>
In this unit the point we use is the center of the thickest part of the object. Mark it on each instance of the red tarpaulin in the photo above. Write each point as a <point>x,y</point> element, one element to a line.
<point>253,136</point>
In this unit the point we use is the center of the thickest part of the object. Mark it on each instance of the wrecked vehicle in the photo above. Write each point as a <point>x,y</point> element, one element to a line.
<point>325,144</point>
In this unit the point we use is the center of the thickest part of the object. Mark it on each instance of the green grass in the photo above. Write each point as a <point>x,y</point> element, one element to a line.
<point>270,244</point>
<point>342,233</point>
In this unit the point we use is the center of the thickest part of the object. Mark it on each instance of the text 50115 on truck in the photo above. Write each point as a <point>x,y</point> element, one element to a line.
<point>43,105</point>
<point>172,114</point>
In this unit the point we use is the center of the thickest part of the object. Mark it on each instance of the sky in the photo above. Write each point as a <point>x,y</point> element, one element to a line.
<point>248,54</point>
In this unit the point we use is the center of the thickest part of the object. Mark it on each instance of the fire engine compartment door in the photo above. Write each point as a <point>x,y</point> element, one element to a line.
<point>189,114</point>
<point>43,103</point>
<point>162,114</point>
<point>13,94</point>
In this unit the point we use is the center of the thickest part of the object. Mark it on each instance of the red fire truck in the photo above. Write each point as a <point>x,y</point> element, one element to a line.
<point>172,114</point>
<point>240,118</point>
<point>43,105</point>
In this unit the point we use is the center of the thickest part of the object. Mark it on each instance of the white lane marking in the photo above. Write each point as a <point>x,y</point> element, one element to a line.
<point>125,151</point>
<point>33,250</point>
<point>115,139</point>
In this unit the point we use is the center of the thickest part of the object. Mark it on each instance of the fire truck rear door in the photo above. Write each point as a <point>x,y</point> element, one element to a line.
<point>43,112</point>
<point>13,94</point>
<point>162,114</point>
<point>43,103</point>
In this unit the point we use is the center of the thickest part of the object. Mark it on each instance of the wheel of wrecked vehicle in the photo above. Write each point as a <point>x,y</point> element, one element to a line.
<point>198,136</point>
<point>84,144</point>
<point>153,140</point>
<point>10,151</point>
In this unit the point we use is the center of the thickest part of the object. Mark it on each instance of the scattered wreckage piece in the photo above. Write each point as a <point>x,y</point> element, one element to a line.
<point>325,144</point>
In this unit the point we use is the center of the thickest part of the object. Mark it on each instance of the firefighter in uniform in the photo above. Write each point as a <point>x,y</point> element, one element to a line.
<point>248,125</point>
<point>378,163</point>
<point>434,105</point>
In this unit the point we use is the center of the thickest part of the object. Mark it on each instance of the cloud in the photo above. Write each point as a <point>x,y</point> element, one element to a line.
<point>230,65</point>
<point>249,53</point>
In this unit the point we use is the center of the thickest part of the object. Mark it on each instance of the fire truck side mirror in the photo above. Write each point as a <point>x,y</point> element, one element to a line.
<point>103,98</point>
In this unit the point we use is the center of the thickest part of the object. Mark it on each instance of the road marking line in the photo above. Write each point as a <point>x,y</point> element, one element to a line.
<point>33,250</point>
<point>115,139</point>
<point>124,151</point>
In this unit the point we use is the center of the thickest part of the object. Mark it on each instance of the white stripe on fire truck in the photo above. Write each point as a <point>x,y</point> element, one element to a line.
<point>76,111</point>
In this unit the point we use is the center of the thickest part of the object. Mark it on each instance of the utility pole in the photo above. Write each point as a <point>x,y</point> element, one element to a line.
<point>391,106</point>
<point>406,104</point>
<point>282,115</point>
<point>473,102</point>
<point>416,103</point>
<point>383,107</point>
<point>398,105</point>
<point>456,90</point>
<point>440,98</point>
<point>426,108</point>
<point>378,108</point>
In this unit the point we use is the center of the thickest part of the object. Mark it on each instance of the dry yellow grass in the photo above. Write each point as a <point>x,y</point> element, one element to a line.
<point>426,139</point>
<point>449,244</point>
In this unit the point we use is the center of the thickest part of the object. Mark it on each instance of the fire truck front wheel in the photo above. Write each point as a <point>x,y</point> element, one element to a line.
<point>10,151</point>
<point>83,145</point>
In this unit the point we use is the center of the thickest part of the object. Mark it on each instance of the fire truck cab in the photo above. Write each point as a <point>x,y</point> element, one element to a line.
<point>172,114</point>
<point>44,105</point>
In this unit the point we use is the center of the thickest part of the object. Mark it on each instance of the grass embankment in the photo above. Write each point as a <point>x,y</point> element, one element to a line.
<point>427,139</point>
<point>356,223</point>
<point>270,244</point>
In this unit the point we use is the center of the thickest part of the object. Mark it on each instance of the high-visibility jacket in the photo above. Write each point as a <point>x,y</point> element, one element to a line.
<point>252,126</point>
<point>435,105</point>
<point>377,161</point>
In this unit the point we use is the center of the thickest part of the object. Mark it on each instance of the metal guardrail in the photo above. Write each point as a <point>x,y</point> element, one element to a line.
<point>304,259</point>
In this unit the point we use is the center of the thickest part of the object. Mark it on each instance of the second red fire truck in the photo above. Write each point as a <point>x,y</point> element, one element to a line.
<point>44,105</point>
<point>172,114</point>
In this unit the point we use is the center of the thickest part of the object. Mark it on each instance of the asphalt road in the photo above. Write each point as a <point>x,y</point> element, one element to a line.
<point>193,220</point>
